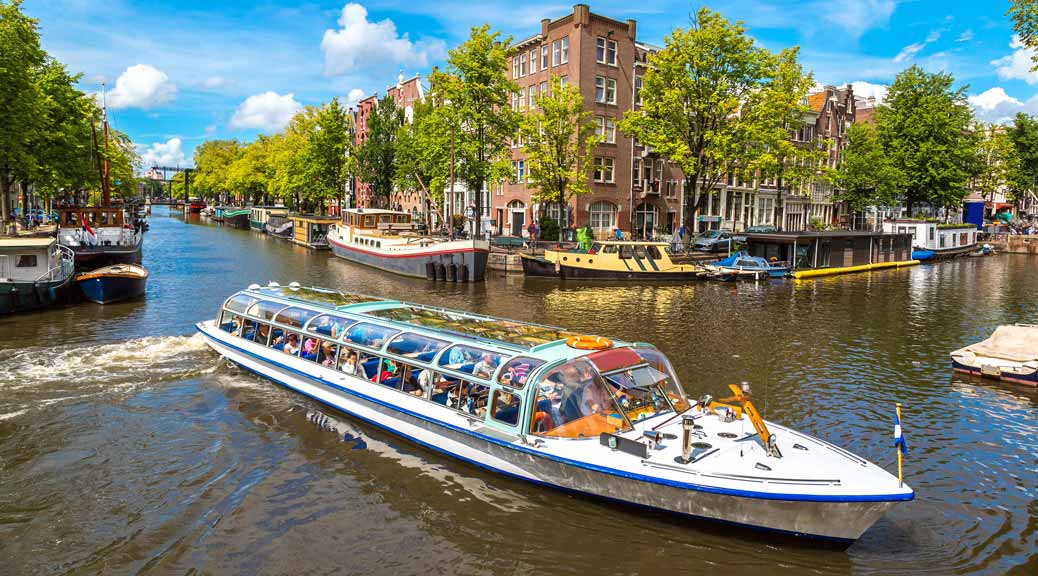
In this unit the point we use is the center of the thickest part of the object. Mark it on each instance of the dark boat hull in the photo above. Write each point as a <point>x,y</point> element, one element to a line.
<point>573,273</point>
<point>538,267</point>
<point>94,257</point>
<point>240,221</point>
<point>111,289</point>
<point>16,297</point>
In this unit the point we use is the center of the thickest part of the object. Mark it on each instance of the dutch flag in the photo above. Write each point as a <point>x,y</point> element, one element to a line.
<point>899,436</point>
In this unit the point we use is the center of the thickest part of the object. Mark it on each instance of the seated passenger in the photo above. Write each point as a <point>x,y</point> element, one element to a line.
<point>292,345</point>
<point>264,331</point>
<point>350,365</point>
<point>485,367</point>
<point>328,353</point>
<point>389,369</point>
<point>310,348</point>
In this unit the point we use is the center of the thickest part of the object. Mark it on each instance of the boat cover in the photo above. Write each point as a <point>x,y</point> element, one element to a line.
<point>1017,343</point>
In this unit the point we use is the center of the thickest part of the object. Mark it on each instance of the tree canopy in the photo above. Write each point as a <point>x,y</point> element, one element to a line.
<point>866,177</point>
<point>376,156</point>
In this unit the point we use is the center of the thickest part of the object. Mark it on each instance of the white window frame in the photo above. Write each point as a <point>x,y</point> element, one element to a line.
<point>533,61</point>
<point>611,51</point>
<point>522,64</point>
<point>610,130</point>
<point>610,90</point>
<point>544,57</point>
<point>600,50</point>
<point>604,169</point>
<point>600,84</point>
<point>598,216</point>
<point>565,51</point>
<point>556,53</point>
<point>544,89</point>
<point>533,96</point>
<point>515,67</point>
<point>522,98</point>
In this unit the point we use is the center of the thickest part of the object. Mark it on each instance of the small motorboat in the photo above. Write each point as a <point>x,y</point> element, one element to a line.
<point>985,250</point>
<point>743,266</point>
<point>113,283</point>
<point>922,254</point>
<point>1010,353</point>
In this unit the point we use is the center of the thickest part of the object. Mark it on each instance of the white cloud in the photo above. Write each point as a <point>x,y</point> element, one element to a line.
<point>858,16</point>
<point>359,43</point>
<point>168,153</point>
<point>141,86</point>
<point>354,96</point>
<point>267,111</point>
<point>1017,66</point>
<point>909,51</point>
<point>216,82</point>
<point>965,36</point>
<point>864,89</point>
<point>992,98</point>
<point>994,105</point>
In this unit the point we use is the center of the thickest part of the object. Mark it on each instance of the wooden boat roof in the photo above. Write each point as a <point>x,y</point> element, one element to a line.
<point>375,211</point>
<point>629,243</point>
<point>28,242</point>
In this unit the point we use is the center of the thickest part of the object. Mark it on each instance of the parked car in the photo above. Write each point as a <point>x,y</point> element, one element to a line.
<point>755,230</point>
<point>714,241</point>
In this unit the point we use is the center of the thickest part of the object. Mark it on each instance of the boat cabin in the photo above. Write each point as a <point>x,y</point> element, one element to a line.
<point>95,216</point>
<point>370,221</point>
<point>260,215</point>
<point>830,249</point>
<point>26,259</point>
<point>935,236</point>
<point>310,230</point>
<point>510,377</point>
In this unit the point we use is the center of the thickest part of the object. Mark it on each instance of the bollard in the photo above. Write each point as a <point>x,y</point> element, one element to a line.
<point>452,272</point>
<point>430,270</point>
<point>441,271</point>
<point>463,273</point>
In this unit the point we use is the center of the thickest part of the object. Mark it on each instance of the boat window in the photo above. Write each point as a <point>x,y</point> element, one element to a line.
<point>369,221</point>
<point>262,333</point>
<point>464,396</point>
<point>639,251</point>
<point>471,360</point>
<point>26,261</point>
<point>286,341</point>
<point>573,402</point>
<point>385,218</point>
<point>370,335</point>
<point>625,251</point>
<point>414,380</point>
<point>638,391</point>
<point>654,252</point>
<point>250,330</point>
<point>104,218</point>
<point>416,346</point>
<point>240,302</point>
<point>357,363</point>
<point>265,310</point>
<point>670,384</point>
<point>745,263</point>
<point>388,372</point>
<point>505,407</point>
<point>295,317</point>
<point>230,323</point>
<point>329,325</point>
<point>325,353</point>
<point>517,370</point>
<point>609,249</point>
<point>596,248</point>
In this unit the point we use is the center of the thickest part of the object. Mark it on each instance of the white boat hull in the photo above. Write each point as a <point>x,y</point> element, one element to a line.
<point>458,436</point>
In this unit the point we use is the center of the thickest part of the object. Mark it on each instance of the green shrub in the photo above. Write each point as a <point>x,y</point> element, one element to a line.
<point>549,228</point>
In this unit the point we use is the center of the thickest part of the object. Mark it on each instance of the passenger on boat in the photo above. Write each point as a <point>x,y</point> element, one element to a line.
<point>328,350</point>
<point>310,348</point>
<point>292,345</point>
<point>264,332</point>
<point>485,367</point>
<point>389,369</point>
<point>350,365</point>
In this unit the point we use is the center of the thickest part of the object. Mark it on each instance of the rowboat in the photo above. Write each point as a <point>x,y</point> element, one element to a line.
<point>579,413</point>
<point>1010,354</point>
<point>113,283</point>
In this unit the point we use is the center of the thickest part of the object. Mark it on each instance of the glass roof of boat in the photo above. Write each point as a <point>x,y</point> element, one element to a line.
<point>474,326</point>
<point>319,296</point>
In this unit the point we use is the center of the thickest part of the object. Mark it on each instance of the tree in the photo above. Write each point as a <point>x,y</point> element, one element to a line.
<point>328,151</point>
<point>1023,135</point>
<point>866,176</point>
<point>697,100</point>
<point>248,175</point>
<point>478,89</point>
<point>925,128</point>
<point>376,158</point>
<point>559,140</point>
<point>20,57</point>
<point>1025,21</point>
<point>423,156</point>
<point>996,160</point>
<point>213,160</point>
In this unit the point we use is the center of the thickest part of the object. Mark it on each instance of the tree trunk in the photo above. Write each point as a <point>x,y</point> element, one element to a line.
<point>4,184</point>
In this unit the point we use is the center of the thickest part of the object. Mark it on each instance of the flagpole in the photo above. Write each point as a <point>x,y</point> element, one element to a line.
<point>900,483</point>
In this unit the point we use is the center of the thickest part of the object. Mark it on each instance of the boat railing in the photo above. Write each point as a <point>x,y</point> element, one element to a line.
<point>63,269</point>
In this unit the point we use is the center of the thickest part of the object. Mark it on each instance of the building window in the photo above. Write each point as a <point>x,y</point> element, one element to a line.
<point>544,89</point>
<point>533,61</point>
<point>765,211</point>
<point>520,170</point>
<point>605,90</point>
<point>605,51</point>
<point>603,215</point>
<point>522,64</point>
<point>606,129</point>
<point>636,170</point>
<point>672,189</point>
<point>563,80</point>
<point>544,57</point>
<point>555,53</point>
<point>565,51</point>
<point>515,67</point>
<point>522,99</point>
<point>533,96</point>
<point>515,100</point>
<point>638,90</point>
<point>603,169</point>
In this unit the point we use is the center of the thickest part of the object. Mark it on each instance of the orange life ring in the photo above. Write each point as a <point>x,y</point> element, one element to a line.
<point>589,342</point>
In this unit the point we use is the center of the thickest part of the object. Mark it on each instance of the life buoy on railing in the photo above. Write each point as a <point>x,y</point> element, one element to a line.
<point>589,342</point>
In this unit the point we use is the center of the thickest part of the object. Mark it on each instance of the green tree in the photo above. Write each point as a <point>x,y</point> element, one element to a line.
<point>476,85</point>
<point>376,157</point>
<point>866,176</point>
<point>423,156</point>
<point>20,57</point>
<point>249,174</point>
<point>996,160</point>
<point>925,129</point>
<point>559,140</point>
<point>213,160</point>
<point>329,151</point>
<point>1025,21</point>
<point>1023,135</point>
<point>697,101</point>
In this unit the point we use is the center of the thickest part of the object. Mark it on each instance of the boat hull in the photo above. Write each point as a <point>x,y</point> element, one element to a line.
<point>1017,375</point>
<point>538,267</point>
<point>93,257</point>
<point>109,289</point>
<point>842,520</point>
<point>414,265</point>
<point>575,273</point>
<point>17,297</point>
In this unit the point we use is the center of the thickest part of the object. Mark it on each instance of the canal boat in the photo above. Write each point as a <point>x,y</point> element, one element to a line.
<point>311,230</point>
<point>113,283</point>
<point>742,266</point>
<point>236,217</point>
<point>612,260</point>
<point>99,236</point>
<point>260,215</point>
<point>942,241</point>
<point>387,240</point>
<point>279,227</point>
<point>217,214</point>
<point>580,413</point>
<point>35,273</point>
<point>194,205</point>
<point>1010,354</point>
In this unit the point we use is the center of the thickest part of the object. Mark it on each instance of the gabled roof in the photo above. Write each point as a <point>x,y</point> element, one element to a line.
<point>816,101</point>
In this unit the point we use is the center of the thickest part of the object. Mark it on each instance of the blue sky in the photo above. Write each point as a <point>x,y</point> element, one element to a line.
<point>180,72</point>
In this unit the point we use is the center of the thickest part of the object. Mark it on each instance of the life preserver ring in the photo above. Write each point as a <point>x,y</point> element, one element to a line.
<point>589,342</point>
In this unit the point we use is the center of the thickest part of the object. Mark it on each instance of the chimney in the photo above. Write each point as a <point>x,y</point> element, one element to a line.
<point>632,29</point>
<point>581,15</point>
<point>544,27</point>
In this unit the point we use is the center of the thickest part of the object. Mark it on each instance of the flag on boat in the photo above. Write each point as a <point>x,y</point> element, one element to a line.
<point>92,238</point>
<point>899,435</point>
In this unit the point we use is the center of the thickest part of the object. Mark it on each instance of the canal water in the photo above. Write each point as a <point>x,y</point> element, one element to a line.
<point>126,446</point>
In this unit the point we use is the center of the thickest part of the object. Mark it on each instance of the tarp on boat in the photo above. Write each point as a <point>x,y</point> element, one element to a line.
<point>1016,342</point>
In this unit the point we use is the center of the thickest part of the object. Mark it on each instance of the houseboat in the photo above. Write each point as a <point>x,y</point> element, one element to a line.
<point>99,237</point>
<point>279,227</point>
<point>236,217</point>
<point>35,273</point>
<point>832,252</point>
<point>312,230</point>
<point>934,240</point>
<point>216,213</point>
<point>194,205</point>
<point>386,239</point>
<point>611,260</point>
<point>584,414</point>
<point>260,215</point>
<point>1010,354</point>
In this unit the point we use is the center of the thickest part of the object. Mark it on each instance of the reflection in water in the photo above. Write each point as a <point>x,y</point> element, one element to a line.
<point>126,446</point>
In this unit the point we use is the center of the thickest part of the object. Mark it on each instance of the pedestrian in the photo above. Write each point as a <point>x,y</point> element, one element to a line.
<point>531,231</point>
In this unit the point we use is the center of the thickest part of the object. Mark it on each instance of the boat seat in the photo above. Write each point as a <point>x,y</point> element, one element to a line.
<point>426,356</point>
<point>391,382</point>
<point>250,335</point>
<point>440,398</point>
<point>467,368</point>
<point>227,326</point>
<point>310,356</point>
<point>280,346</point>
<point>370,367</point>
<point>509,415</point>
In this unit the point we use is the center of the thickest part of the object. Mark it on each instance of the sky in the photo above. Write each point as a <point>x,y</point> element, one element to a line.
<point>177,73</point>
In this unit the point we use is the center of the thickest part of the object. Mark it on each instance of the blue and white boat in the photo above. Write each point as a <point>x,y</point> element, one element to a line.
<point>742,265</point>
<point>537,403</point>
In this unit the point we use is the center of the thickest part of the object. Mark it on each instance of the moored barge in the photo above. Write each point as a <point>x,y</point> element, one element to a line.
<point>538,403</point>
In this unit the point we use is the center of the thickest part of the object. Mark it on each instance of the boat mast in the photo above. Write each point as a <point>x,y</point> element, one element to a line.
<point>106,194</point>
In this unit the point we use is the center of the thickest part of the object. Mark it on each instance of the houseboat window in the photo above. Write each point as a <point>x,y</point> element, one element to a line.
<point>369,221</point>
<point>104,218</point>
<point>70,218</point>
<point>517,370</point>
<point>385,218</point>
<point>329,325</point>
<point>671,386</point>
<point>625,251</point>
<point>573,402</point>
<point>230,323</point>
<point>370,335</point>
<point>609,249</point>
<point>470,360</point>
<point>505,407</point>
<point>653,251</point>
<point>265,310</point>
<point>295,317</point>
<point>415,346</point>
<point>240,302</point>
<point>640,251</point>
<point>26,261</point>
<point>942,240</point>
<point>933,229</point>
